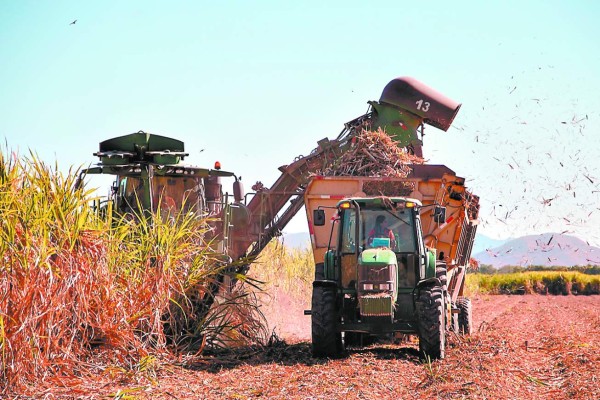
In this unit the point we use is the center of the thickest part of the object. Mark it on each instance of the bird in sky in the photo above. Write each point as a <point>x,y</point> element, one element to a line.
<point>73,23</point>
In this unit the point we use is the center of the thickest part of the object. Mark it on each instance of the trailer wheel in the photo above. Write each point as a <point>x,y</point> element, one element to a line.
<point>454,324</point>
<point>465,317</point>
<point>432,327</point>
<point>326,341</point>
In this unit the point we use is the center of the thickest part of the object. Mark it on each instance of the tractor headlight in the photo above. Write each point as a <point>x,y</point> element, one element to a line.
<point>376,286</point>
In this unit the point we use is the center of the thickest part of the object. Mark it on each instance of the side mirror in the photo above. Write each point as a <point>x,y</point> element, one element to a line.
<point>318,217</point>
<point>238,191</point>
<point>439,214</point>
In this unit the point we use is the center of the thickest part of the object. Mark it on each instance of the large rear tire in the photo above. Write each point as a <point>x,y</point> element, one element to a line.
<point>432,327</point>
<point>319,272</point>
<point>465,317</point>
<point>441,273</point>
<point>326,341</point>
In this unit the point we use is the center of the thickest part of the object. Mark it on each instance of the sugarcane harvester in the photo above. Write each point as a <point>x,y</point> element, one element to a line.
<point>150,175</point>
<point>152,181</point>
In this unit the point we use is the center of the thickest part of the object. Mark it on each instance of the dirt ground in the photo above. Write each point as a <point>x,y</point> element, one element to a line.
<point>524,347</point>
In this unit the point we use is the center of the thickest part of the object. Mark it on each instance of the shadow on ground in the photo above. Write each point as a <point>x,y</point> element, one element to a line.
<point>295,354</point>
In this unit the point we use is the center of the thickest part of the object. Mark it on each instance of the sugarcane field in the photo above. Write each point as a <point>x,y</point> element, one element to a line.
<point>244,201</point>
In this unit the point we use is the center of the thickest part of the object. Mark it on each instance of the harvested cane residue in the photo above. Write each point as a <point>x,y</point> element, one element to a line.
<point>373,153</point>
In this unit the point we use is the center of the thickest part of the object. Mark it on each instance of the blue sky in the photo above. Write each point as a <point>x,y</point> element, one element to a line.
<point>256,84</point>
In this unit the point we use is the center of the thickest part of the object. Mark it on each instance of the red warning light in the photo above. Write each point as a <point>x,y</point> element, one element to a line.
<point>217,165</point>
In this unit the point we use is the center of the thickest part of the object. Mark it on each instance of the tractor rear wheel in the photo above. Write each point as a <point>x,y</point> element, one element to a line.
<point>432,326</point>
<point>319,272</point>
<point>465,317</point>
<point>441,273</point>
<point>326,341</point>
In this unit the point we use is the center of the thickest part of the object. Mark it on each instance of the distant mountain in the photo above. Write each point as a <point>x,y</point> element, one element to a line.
<point>483,242</point>
<point>548,249</point>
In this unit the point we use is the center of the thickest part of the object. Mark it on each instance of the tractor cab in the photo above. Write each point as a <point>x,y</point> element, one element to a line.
<point>170,193</point>
<point>373,230</point>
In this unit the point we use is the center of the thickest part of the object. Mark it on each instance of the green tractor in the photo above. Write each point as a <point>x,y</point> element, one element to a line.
<point>379,278</point>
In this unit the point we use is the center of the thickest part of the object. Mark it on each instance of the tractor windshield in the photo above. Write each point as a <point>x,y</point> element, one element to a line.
<point>379,227</point>
<point>397,226</point>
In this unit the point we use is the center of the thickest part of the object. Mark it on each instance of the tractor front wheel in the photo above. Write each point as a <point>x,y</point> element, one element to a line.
<point>326,341</point>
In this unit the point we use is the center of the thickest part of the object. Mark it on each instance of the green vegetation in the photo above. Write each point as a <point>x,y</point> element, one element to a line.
<point>80,295</point>
<point>507,269</point>
<point>292,270</point>
<point>528,282</point>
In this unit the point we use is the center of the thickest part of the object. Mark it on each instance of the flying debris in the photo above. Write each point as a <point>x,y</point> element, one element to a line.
<point>547,202</point>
